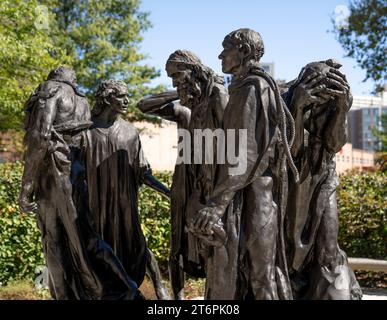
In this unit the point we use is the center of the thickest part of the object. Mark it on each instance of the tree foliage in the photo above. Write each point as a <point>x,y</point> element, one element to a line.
<point>20,245</point>
<point>364,37</point>
<point>103,38</point>
<point>155,215</point>
<point>99,39</point>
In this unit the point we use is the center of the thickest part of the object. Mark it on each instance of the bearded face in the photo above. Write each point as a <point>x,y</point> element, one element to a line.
<point>187,86</point>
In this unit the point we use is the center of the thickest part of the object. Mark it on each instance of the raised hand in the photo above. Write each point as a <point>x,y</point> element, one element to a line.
<point>318,88</point>
<point>308,90</point>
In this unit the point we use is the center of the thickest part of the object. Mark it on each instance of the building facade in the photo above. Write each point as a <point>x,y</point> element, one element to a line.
<point>349,158</point>
<point>363,118</point>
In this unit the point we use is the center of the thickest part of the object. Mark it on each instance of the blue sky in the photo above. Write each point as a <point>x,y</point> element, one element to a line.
<point>294,32</point>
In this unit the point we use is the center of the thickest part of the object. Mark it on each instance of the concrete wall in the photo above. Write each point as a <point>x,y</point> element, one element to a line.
<point>159,143</point>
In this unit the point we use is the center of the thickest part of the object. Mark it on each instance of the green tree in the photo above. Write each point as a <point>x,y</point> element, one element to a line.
<point>103,39</point>
<point>363,37</point>
<point>27,54</point>
<point>99,39</point>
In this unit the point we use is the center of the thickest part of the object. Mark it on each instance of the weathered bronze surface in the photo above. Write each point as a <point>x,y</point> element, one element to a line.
<point>268,232</point>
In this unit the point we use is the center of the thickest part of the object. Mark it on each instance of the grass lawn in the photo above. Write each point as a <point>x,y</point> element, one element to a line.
<point>24,290</point>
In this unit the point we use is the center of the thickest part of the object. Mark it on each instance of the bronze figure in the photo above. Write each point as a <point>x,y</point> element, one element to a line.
<point>116,167</point>
<point>255,199</point>
<point>319,100</point>
<point>203,98</point>
<point>80,264</point>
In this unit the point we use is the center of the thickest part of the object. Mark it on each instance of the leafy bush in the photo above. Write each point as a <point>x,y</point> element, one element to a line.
<point>362,203</point>
<point>154,211</point>
<point>20,244</point>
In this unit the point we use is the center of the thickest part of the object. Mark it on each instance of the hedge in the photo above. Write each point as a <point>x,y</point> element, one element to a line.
<point>362,205</point>
<point>20,243</point>
<point>155,215</point>
<point>20,246</point>
<point>362,214</point>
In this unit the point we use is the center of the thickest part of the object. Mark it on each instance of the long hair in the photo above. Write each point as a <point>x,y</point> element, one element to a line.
<point>202,80</point>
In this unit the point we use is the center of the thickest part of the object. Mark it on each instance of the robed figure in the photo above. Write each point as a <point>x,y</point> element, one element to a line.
<point>202,99</point>
<point>319,100</point>
<point>80,264</point>
<point>248,199</point>
<point>116,167</point>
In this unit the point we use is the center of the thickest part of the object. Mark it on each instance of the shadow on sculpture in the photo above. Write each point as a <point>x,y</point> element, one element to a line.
<point>256,198</point>
<point>280,215</point>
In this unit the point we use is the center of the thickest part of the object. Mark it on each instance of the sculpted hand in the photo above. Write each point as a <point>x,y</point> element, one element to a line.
<point>204,220</point>
<point>308,90</point>
<point>338,89</point>
<point>208,227</point>
<point>25,203</point>
<point>317,89</point>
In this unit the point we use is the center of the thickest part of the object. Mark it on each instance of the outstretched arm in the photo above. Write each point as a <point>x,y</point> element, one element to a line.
<point>144,172</point>
<point>152,182</point>
<point>160,105</point>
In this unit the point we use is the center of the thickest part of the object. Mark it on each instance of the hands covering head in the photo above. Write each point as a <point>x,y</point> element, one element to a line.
<point>320,82</point>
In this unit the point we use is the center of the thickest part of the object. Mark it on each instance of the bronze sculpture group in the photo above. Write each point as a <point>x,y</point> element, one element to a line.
<point>266,233</point>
